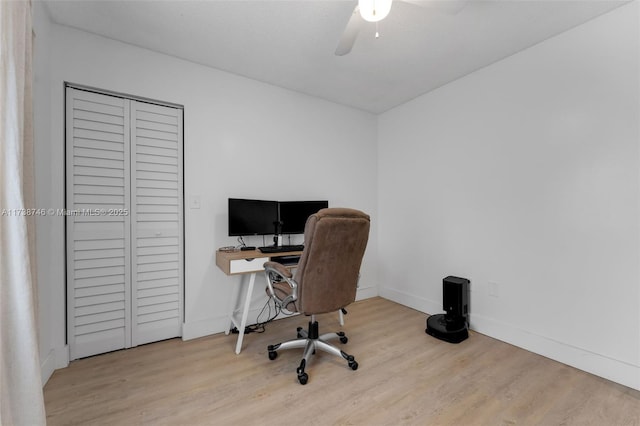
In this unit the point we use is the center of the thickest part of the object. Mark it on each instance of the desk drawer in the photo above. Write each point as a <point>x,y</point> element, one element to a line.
<point>240,266</point>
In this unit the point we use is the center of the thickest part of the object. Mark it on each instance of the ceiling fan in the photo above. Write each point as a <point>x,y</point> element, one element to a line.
<point>377,10</point>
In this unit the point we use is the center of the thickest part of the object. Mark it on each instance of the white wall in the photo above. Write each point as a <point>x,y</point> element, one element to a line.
<point>242,138</point>
<point>526,174</point>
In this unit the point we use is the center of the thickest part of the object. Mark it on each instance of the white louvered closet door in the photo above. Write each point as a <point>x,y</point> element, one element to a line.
<point>98,244</point>
<point>157,222</point>
<point>124,222</point>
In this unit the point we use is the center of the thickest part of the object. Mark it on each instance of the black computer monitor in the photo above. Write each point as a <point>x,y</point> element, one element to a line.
<point>294,214</point>
<point>252,217</point>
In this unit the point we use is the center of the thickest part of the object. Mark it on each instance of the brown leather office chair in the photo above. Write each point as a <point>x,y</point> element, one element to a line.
<point>325,280</point>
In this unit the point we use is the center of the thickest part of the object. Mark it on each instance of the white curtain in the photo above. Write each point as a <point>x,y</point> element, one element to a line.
<point>21,401</point>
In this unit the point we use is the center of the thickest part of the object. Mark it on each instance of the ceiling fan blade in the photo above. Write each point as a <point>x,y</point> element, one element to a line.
<point>350,33</point>
<point>450,7</point>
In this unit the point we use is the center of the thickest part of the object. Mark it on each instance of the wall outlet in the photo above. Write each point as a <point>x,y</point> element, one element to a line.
<point>494,289</point>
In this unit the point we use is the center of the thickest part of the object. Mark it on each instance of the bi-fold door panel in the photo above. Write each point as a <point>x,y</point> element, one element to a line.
<point>98,244</point>
<point>156,215</point>
<point>124,222</point>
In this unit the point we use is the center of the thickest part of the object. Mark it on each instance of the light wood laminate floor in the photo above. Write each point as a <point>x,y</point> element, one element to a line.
<point>405,377</point>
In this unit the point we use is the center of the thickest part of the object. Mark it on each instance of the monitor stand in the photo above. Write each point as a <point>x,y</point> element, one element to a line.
<point>277,238</point>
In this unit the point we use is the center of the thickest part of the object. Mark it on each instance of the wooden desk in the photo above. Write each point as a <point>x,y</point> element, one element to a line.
<point>240,263</point>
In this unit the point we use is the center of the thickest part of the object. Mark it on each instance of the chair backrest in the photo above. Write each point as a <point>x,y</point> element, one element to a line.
<point>335,240</point>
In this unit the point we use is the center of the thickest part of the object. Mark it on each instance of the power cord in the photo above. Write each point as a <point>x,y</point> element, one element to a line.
<point>260,327</point>
<point>241,242</point>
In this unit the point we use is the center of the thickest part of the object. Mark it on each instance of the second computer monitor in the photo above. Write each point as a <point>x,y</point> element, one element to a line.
<point>294,214</point>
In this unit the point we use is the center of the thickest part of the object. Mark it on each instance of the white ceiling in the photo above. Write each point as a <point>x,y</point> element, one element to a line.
<point>291,43</point>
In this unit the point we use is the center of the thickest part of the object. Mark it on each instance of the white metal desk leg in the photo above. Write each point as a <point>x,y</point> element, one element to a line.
<point>341,317</point>
<point>234,296</point>
<point>245,312</point>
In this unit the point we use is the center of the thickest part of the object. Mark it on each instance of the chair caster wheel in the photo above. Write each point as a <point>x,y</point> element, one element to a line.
<point>303,378</point>
<point>353,365</point>
<point>344,339</point>
<point>273,355</point>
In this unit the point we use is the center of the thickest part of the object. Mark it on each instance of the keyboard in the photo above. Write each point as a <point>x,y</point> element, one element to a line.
<point>281,249</point>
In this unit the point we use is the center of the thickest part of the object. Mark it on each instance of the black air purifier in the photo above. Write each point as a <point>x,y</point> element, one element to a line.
<point>452,326</point>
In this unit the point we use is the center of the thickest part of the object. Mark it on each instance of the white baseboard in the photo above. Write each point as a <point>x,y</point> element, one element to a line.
<point>415,302</point>
<point>618,371</point>
<point>215,325</point>
<point>366,293</point>
<point>218,324</point>
<point>600,365</point>
<point>55,359</point>
<point>206,327</point>
<point>48,366</point>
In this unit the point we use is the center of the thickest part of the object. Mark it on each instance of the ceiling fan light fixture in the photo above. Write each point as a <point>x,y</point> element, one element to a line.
<point>374,10</point>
